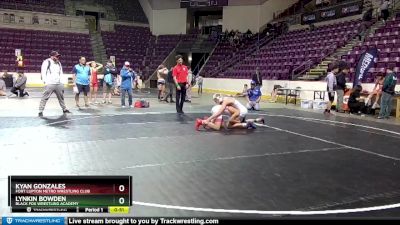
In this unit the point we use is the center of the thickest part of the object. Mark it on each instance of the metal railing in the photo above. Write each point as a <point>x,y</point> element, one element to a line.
<point>304,66</point>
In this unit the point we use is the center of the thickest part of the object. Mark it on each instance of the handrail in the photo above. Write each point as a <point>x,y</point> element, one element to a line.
<point>307,65</point>
<point>265,40</point>
<point>208,58</point>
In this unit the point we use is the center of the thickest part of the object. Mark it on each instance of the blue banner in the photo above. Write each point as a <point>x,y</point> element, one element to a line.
<point>366,61</point>
<point>33,220</point>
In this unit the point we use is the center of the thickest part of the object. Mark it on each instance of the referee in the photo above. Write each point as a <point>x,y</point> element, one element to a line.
<point>180,74</point>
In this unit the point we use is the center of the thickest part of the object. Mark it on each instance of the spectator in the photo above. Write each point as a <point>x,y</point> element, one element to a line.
<point>199,84</point>
<point>385,10</point>
<point>389,84</point>
<point>19,86</point>
<point>162,72</point>
<point>51,72</point>
<point>244,92</point>
<point>257,78</point>
<point>127,77</point>
<point>170,86</point>
<point>274,93</point>
<point>367,17</point>
<point>190,84</point>
<point>3,87</point>
<point>253,97</point>
<point>94,81</point>
<point>109,77</point>
<point>331,85</point>
<point>81,77</point>
<point>377,91</point>
<point>340,87</point>
<point>356,102</point>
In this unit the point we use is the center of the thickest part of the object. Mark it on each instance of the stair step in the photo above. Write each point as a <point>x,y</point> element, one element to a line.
<point>315,73</point>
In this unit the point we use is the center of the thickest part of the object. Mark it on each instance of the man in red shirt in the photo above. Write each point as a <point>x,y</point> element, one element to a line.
<point>180,74</point>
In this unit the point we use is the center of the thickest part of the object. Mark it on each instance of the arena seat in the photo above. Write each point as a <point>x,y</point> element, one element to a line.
<point>387,40</point>
<point>291,50</point>
<point>36,46</point>
<point>140,47</point>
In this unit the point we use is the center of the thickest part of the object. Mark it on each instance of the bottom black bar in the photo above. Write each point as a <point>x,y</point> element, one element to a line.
<point>59,210</point>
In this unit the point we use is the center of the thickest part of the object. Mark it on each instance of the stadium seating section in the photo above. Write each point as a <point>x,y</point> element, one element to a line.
<point>138,46</point>
<point>47,6</point>
<point>36,46</point>
<point>289,51</point>
<point>387,40</point>
<point>127,10</point>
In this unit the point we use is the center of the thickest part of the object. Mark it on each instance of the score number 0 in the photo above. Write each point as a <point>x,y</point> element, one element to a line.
<point>121,200</point>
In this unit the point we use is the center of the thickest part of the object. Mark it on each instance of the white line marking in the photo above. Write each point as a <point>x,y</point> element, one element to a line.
<point>230,158</point>
<point>331,121</point>
<point>238,211</point>
<point>331,142</point>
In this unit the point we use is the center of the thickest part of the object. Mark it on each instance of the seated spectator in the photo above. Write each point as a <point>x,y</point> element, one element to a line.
<point>253,97</point>
<point>3,88</point>
<point>377,91</point>
<point>19,86</point>
<point>244,92</point>
<point>356,102</point>
<point>274,93</point>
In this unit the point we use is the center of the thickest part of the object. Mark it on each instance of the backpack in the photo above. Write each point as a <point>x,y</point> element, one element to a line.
<point>142,104</point>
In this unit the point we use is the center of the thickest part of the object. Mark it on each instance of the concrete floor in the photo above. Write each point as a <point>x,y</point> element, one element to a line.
<point>300,160</point>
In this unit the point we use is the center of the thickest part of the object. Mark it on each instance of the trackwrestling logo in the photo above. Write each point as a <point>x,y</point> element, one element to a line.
<point>9,220</point>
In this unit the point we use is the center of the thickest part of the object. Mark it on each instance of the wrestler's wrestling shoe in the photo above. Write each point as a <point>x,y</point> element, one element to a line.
<point>251,125</point>
<point>198,123</point>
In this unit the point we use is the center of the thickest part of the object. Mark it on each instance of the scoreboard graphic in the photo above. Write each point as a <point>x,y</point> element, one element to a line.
<point>202,3</point>
<point>81,194</point>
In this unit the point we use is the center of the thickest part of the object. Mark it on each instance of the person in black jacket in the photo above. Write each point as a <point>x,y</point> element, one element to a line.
<point>170,86</point>
<point>257,78</point>
<point>356,103</point>
<point>341,86</point>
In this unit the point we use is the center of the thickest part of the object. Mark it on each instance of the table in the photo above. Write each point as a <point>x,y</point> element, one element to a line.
<point>295,92</point>
<point>290,92</point>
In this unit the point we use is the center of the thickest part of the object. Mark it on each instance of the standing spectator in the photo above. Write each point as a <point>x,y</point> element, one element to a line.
<point>385,10</point>
<point>109,76</point>
<point>253,97</point>
<point>81,77</point>
<point>200,85</point>
<point>340,87</point>
<point>356,102</point>
<point>127,77</point>
<point>19,86</point>
<point>3,87</point>
<point>51,72</point>
<point>257,78</point>
<point>389,84</point>
<point>162,72</point>
<point>189,86</point>
<point>180,74</point>
<point>331,85</point>
<point>94,81</point>
<point>170,86</point>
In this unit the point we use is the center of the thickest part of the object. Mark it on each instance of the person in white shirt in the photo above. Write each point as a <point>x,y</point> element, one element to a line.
<point>331,86</point>
<point>51,72</point>
<point>189,87</point>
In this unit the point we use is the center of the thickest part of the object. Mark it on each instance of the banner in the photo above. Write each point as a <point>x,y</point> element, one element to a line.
<point>331,13</point>
<point>366,61</point>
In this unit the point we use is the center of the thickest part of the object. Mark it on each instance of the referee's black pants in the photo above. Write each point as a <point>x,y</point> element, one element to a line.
<point>180,97</point>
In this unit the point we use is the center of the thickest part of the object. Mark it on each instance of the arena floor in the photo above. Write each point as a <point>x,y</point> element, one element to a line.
<point>299,161</point>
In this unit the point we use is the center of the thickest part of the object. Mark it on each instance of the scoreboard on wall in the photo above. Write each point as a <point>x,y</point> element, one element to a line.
<point>81,194</point>
<point>202,3</point>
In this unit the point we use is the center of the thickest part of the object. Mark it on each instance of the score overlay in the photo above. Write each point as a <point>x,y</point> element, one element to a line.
<point>84,194</point>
